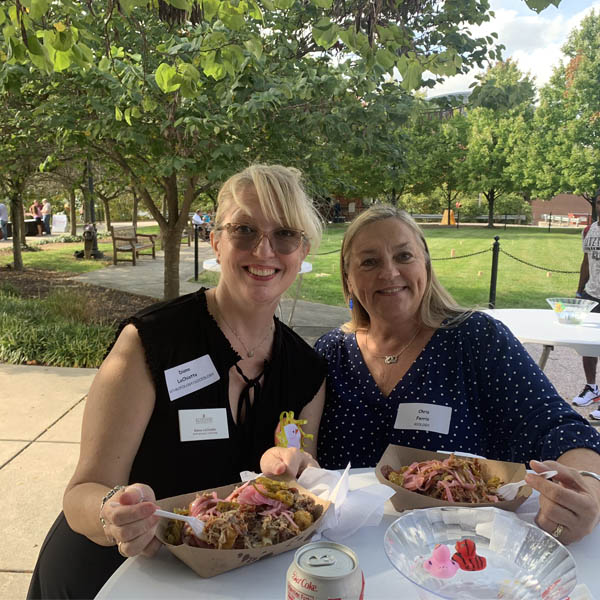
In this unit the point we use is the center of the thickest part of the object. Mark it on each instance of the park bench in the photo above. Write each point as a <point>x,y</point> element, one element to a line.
<point>426,217</point>
<point>127,239</point>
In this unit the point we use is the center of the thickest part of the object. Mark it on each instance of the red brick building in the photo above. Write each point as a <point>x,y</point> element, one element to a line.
<point>562,205</point>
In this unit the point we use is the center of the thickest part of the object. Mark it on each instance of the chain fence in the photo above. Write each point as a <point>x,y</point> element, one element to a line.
<point>529,264</point>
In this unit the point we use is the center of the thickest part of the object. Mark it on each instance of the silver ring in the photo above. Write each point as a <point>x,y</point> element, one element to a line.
<point>558,531</point>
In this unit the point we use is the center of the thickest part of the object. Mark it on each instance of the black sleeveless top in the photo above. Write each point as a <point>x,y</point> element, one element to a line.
<point>181,330</point>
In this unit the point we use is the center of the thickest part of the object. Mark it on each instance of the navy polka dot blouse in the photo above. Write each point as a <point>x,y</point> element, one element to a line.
<point>502,406</point>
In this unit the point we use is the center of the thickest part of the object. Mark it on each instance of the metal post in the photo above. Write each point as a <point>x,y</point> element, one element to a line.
<point>549,222</point>
<point>95,252</point>
<point>196,252</point>
<point>505,219</point>
<point>495,253</point>
<point>457,217</point>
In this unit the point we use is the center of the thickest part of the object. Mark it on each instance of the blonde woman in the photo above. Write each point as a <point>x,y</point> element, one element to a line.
<point>415,369</point>
<point>191,392</point>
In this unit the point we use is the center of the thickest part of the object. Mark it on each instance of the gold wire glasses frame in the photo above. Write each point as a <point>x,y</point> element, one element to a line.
<point>245,237</point>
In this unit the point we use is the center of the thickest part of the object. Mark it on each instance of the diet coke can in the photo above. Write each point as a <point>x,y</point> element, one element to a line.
<point>325,571</point>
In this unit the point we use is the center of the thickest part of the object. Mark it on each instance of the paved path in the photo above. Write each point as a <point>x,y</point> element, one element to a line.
<point>41,410</point>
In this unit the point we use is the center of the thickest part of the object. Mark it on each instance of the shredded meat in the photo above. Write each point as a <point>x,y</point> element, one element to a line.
<point>259,513</point>
<point>455,479</point>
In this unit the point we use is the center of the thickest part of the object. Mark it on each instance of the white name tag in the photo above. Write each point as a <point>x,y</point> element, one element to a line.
<point>424,417</point>
<point>200,424</point>
<point>190,377</point>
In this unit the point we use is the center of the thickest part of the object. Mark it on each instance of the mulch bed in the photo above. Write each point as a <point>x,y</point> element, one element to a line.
<point>108,306</point>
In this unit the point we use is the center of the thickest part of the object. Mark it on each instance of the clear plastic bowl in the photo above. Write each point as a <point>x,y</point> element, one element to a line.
<point>571,311</point>
<point>523,561</point>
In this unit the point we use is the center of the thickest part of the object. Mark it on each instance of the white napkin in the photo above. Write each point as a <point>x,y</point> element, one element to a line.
<point>352,509</point>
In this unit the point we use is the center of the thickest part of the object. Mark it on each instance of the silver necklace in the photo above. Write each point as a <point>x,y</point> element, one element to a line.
<point>391,359</point>
<point>249,351</point>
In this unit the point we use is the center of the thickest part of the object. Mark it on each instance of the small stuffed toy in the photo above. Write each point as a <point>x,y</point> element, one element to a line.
<point>440,564</point>
<point>466,556</point>
<point>288,433</point>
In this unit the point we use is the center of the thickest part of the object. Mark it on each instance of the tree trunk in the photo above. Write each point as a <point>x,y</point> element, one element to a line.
<point>490,196</point>
<point>72,212</point>
<point>134,214</point>
<point>107,220</point>
<point>171,240</point>
<point>16,216</point>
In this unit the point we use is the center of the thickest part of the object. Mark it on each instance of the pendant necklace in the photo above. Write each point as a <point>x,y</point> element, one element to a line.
<point>249,351</point>
<point>392,359</point>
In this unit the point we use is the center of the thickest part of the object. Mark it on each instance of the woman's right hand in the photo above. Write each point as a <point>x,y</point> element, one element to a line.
<point>286,461</point>
<point>130,520</point>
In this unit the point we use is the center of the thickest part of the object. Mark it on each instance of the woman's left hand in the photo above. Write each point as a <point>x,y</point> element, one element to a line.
<point>568,500</point>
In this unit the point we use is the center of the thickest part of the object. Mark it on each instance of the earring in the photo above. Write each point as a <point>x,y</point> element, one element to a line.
<point>350,303</point>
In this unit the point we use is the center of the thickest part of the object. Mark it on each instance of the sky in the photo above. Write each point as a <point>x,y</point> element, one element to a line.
<point>533,40</point>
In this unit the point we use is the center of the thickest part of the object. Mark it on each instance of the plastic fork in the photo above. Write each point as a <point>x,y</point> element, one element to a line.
<point>508,491</point>
<point>196,524</point>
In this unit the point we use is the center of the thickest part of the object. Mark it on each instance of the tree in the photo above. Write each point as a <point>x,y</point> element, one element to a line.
<point>178,99</point>
<point>438,153</point>
<point>568,120</point>
<point>503,102</point>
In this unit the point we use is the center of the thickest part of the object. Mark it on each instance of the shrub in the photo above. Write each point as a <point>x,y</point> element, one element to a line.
<point>36,331</point>
<point>9,290</point>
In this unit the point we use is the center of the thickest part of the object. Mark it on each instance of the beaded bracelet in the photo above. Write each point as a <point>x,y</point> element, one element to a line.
<point>106,498</point>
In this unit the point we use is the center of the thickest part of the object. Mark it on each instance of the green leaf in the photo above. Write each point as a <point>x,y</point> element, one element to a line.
<point>135,112</point>
<point>118,114</point>
<point>269,4</point>
<point>34,46</point>
<point>284,4</point>
<point>62,61</point>
<point>42,62</point>
<point>104,63</point>
<point>38,8</point>
<point>148,104</point>
<point>411,79</point>
<point>181,4</point>
<point>254,46</point>
<point>127,115</point>
<point>210,8</point>
<point>2,16</point>
<point>63,40</point>
<point>323,3</point>
<point>325,33</point>
<point>165,77</point>
<point>232,20</point>
<point>385,58</point>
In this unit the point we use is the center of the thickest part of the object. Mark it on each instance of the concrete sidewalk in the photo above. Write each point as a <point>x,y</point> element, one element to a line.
<point>41,410</point>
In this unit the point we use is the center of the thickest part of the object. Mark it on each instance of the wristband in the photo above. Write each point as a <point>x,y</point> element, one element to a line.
<point>106,498</point>
<point>578,295</point>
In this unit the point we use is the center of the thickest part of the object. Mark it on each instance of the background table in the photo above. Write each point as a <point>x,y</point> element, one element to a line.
<point>540,326</point>
<point>164,576</point>
<point>211,264</point>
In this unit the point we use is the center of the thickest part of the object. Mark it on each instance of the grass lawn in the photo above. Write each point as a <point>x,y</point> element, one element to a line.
<point>467,279</point>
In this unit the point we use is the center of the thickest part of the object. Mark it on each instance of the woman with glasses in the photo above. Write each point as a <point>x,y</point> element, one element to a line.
<point>191,392</point>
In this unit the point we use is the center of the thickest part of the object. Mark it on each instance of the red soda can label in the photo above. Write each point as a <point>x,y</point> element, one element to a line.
<point>325,571</point>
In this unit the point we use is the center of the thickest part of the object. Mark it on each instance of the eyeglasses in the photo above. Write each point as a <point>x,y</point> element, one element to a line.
<point>246,237</point>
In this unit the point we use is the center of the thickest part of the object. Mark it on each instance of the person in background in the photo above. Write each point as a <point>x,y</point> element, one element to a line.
<point>217,356</point>
<point>47,216</point>
<point>36,212</point>
<point>197,218</point>
<point>589,289</point>
<point>415,369</point>
<point>4,221</point>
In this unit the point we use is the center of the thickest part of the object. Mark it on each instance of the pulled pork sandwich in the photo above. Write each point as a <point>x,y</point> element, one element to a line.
<point>455,479</point>
<point>258,513</point>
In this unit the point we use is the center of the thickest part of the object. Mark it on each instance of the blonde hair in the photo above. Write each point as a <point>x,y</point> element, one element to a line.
<point>281,197</point>
<point>437,304</point>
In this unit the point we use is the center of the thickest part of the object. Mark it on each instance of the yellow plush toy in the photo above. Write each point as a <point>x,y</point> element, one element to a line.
<point>289,434</point>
